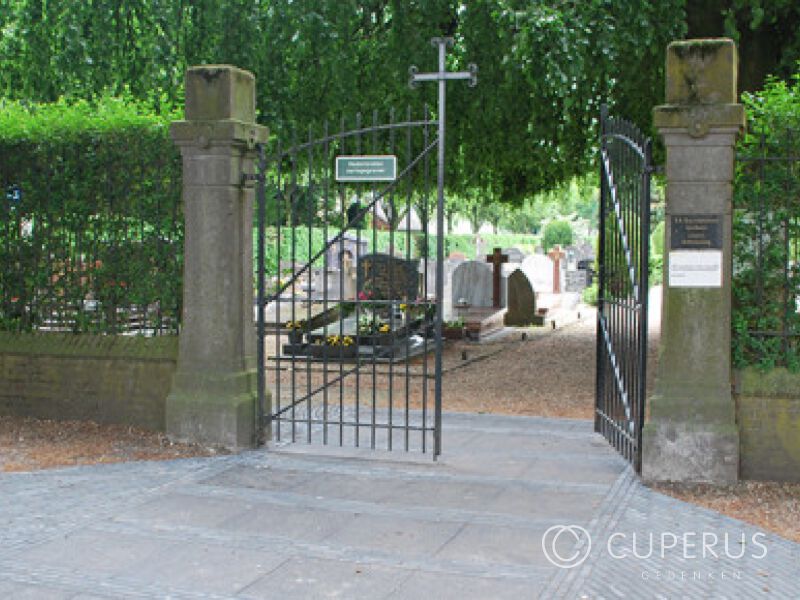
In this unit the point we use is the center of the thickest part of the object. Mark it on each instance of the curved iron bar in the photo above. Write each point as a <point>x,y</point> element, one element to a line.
<point>362,213</point>
<point>354,133</point>
<point>630,142</point>
<point>612,188</point>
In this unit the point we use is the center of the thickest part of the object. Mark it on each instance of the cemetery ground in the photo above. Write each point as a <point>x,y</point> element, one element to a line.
<point>550,373</point>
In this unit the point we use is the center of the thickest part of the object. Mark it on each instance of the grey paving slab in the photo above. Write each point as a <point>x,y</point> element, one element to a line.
<point>464,587</point>
<point>564,470</point>
<point>400,536</point>
<point>94,551</point>
<point>566,506</point>
<point>268,477</point>
<point>322,579</point>
<point>486,544</point>
<point>302,521</point>
<point>349,486</point>
<point>16,591</point>
<point>174,509</point>
<point>205,568</point>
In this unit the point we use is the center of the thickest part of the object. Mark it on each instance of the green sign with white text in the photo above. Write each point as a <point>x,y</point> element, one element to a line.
<point>366,168</point>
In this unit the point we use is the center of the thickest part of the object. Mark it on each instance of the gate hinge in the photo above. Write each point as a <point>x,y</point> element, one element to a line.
<point>251,177</point>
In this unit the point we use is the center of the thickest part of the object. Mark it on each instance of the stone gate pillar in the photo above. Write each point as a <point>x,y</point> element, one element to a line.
<point>692,433</point>
<point>213,399</point>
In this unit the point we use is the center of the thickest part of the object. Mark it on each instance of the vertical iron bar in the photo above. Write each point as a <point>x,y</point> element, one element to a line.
<point>407,314</point>
<point>325,198</point>
<point>389,430</point>
<point>599,422</point>
<point>426,193</point>
<point>375,250</point>
<point>788,297</point>
<point>277,300</point>
<point>343,195</point>
<point>310,273</point>
<point>358,300</point>
<point>293,216</point>
<point>437,433</point>
<point>761,217</point>
<point>645,299</point>
<point>261,182</point>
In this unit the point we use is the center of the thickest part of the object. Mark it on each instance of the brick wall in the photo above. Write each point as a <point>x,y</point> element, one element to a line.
<point>108,379</point>
<point>768,415</point>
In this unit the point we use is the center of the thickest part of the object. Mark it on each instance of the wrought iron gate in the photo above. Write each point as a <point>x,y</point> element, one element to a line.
<point>346,307</point>
<point>625,169</point>
<point>349,310</point>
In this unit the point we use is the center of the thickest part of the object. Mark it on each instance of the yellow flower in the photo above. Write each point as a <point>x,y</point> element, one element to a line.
<point>403,306</point>
<point>384,328</point>
<point>347,341</point>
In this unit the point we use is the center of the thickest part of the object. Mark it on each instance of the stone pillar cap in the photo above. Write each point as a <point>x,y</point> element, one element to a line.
<point>217,92</point>
<point>702,71</point>
<point>701,85</point>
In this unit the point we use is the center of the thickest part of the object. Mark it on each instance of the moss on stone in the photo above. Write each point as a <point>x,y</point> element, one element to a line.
<point>702,72</point>
<point>90,345</point>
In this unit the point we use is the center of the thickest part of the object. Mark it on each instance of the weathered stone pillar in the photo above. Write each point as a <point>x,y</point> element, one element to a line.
<point>692,433</point>
<point>213,399</point>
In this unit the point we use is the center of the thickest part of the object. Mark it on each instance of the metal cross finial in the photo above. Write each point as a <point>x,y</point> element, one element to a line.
<point>442,43</point>
<point>442,76</point>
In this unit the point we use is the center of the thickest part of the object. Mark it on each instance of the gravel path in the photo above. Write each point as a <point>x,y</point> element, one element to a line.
<point>551,375</point>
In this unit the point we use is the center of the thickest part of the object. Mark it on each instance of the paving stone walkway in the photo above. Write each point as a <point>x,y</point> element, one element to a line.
<point>304,522</point>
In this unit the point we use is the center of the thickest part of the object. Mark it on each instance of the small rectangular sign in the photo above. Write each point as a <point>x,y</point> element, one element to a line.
<point>366,168</point>
<point>696,232</point>
<point>695,268</point>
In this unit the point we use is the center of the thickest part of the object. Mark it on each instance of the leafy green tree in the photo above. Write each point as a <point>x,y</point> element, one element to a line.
<point>557,233</point>
<point>530,124</point>
<point>766,32</point>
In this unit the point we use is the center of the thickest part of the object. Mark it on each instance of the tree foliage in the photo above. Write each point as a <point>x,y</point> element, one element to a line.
<point>766,32</point>
<point>545,67</point>
<point>557,233</point>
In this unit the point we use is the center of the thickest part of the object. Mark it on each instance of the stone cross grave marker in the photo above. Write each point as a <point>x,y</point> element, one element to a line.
<point>496,258</point>
<point>389,277</point>
<point>556,254</point>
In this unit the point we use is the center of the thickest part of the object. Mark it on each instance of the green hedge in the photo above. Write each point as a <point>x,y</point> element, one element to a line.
<point>465,243</point>
<point>379,242</point>
<point>92,232</point>
<point>766,274</point>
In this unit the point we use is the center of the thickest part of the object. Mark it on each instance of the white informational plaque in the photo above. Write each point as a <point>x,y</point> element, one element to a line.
<point>695,268</point>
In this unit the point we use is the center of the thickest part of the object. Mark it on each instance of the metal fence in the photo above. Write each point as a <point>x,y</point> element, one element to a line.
<point>91,235</point>
<point>766,269</point>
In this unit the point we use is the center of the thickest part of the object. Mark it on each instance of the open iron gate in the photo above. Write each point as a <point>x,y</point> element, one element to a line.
<point>347,307</point>
<point>349,312</point>
<point>625,169</point>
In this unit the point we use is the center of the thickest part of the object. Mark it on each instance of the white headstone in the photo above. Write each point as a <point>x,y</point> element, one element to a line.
<point>447,299</point>
<point>515,255</point>
<point>539,269</point>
